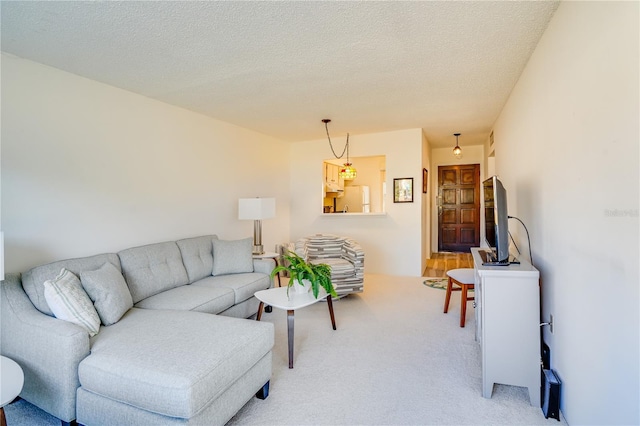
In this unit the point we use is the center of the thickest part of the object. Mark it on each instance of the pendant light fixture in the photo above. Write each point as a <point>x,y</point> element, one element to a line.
<point>457,151</point>
<point>347,171</point>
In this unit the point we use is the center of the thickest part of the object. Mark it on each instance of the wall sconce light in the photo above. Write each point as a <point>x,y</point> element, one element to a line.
<point>256,209</point>
<point>347,171</point>
<point>457,151</point>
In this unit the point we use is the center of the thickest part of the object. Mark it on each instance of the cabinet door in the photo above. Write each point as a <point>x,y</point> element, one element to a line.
<point>478,305</point>
<point>334,173</point>
<point>510,334</point>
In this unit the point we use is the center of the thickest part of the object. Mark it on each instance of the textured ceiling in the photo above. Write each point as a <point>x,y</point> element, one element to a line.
<point>280,67</point>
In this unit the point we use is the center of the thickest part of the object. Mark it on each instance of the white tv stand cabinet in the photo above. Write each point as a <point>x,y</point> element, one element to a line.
<point>507,314</point>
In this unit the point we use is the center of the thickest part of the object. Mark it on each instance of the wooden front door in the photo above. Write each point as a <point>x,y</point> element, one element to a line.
<point>458,207</point>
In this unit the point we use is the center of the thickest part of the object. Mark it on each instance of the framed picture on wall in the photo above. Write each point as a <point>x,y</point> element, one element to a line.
<point>425,175</point>
<point>403,190</point>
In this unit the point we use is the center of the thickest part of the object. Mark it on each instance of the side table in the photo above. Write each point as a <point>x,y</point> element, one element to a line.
<point>277,297</point>
<point>270,255</point>
<point>11,382</point>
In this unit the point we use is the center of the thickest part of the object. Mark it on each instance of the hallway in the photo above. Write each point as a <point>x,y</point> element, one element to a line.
<point>440,263</point>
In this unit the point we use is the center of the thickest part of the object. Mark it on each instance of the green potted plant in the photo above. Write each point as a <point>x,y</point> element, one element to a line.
<point>318,275</point>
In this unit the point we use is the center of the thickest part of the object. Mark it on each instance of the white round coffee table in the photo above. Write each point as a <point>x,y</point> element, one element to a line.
<point>11,382</point>
<point>277,297</point>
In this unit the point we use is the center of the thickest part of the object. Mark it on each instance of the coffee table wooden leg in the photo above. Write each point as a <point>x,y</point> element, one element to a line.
<point>259,314</point>
<point>290,336</point>
<point>3,419</point>
<point>330,305</point>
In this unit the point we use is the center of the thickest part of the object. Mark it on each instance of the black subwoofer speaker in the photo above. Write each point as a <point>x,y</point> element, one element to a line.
<point>551,395</point>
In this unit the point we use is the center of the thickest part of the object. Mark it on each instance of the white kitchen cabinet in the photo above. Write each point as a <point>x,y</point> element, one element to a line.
<point>508,325</point>
<point>332,174</point>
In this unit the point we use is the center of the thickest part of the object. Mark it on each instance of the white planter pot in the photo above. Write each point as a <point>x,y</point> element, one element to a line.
<point>301,289</point>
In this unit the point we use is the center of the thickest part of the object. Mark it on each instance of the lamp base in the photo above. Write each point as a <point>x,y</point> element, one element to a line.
<point>258,249</point>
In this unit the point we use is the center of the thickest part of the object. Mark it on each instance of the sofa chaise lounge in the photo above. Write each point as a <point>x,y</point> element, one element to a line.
<point>180,352</point>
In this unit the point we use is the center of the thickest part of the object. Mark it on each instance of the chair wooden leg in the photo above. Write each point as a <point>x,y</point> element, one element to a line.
<point>448,296</point>
<point>463,305</point>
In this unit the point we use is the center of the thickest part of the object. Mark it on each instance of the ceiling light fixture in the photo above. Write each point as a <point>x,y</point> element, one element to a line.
<point>347,171</point>
<point>457,151</point>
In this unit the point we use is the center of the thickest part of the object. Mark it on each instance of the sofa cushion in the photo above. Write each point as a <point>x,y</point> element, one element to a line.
<point>197,256</point>
<point>191,298</point>
<point>33,280</point>
<point>243,285</point>
<point>69,302</point>
<point>232,257</point>
<point>109,292</point>
<point>152,269</point>
<point>171,375</point>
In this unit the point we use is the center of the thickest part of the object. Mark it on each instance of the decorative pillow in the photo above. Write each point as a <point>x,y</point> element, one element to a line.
<point>69,302</point>
<point>109,292</point>
<point>232,257</point>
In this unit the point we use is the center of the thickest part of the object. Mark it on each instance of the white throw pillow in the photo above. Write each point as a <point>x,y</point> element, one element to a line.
<point>108,290</point>
<point>69,302</point>
<point>232,257</point>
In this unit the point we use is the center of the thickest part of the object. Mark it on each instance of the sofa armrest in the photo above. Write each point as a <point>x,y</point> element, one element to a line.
<point>49,350</point>
<point>264,266</point>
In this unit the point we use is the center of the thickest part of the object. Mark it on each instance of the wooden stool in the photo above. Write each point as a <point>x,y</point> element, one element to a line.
<point>463,277</point>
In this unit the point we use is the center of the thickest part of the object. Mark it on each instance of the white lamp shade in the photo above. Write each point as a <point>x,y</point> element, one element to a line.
<point>256,208</point>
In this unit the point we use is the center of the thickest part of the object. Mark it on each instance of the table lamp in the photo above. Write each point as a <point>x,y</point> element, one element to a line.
<point>256,209</point>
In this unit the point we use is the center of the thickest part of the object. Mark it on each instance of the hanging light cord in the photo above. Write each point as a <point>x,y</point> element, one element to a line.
<point>346,146</point>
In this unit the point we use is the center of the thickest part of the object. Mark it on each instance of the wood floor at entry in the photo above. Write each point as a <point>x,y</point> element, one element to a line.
<point>440,263</point>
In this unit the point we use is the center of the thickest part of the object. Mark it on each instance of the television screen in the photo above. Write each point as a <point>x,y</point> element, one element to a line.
<point>496,219</point>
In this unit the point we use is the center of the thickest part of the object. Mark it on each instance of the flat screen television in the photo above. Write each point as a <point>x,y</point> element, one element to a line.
<point>496,220</point>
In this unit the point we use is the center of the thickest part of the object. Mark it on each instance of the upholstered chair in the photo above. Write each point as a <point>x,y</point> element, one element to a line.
<point>342,254</point>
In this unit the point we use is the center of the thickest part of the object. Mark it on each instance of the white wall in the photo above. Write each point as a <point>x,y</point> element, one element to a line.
<point>567,151</point>
<point>471,154</point>
<point>88,168</point>
<point>392,242</point>
<point>426,202</point>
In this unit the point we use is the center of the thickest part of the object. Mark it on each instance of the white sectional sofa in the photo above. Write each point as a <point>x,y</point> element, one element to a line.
<point>173,347</point>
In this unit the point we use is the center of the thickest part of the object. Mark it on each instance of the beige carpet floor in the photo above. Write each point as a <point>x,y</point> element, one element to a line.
<point>395,359</point>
